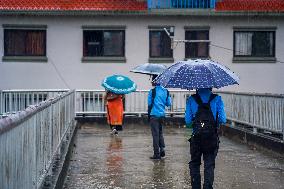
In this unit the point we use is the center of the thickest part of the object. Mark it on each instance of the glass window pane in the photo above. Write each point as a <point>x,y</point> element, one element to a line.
<point>93,43</point>
<point>263,44</point>
<point>113,43</point>
<point>197,49</point>
<point>243,43</point>
<point>160,44</point>
<point>103,43</point>
<point>155,44</point>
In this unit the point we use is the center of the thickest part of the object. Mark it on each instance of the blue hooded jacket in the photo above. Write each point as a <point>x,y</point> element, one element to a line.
<point>160,101</point>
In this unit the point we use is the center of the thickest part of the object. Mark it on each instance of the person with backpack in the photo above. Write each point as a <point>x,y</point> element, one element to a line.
<point>204,114</point>
<point>158,99</point>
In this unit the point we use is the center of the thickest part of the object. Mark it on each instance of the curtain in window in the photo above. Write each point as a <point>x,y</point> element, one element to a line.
<point>243,43</point>
<point>35,43</point>
<point>24,43</point>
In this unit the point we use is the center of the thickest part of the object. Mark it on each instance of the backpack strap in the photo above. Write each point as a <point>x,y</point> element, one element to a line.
<point>212,96</point>
<point>198,100</point>
<point>153,96</point>
<point>152,102</point>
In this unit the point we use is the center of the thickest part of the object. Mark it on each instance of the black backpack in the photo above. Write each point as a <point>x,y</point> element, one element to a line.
<point>152,102</point>
<point>205,125</point>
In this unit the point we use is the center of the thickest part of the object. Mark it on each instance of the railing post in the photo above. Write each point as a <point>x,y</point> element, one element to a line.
<point>75,103</point>
<point>254,130</point>
<point>253,110</point>
<point>233,124</point>
<point>1,102</point>
<point>282,120</point>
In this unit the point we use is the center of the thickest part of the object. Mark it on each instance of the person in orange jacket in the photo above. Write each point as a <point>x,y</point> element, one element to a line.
<point>114,107</point>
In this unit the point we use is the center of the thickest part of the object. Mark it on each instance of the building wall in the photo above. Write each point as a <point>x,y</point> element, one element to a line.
<point>65,41</point>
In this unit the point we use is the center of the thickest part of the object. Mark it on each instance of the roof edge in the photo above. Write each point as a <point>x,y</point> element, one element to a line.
<point>151,12</point>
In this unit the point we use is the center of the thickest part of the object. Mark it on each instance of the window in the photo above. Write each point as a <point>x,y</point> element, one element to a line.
<point>103,43</point>
<point>24,42</point>
<point>160,44</point>
<point>254,43</point>
<point>197,49</point>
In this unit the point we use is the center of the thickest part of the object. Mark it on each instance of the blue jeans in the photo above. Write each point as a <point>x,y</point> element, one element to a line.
<point>157,134</point>
<point>209,165</point>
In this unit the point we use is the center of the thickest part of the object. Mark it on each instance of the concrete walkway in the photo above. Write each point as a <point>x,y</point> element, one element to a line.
<point>103,161</point>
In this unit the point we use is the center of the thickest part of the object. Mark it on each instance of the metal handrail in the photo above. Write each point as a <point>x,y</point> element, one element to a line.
<point>15,100</point>
<point>258,110</point>
<point>30,140</point>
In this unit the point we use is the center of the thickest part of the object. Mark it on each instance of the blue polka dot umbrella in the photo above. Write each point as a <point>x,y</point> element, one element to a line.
<point>119,84</point>
<point>195,74</point>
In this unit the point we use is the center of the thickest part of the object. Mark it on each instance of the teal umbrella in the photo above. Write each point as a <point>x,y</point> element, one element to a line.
<point>119,84</point>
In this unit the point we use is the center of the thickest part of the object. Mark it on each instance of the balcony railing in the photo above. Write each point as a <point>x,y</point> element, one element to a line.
<point>12,101</point>
<point>32,140</point>
<point>259,111</point>
<point>181,4</point>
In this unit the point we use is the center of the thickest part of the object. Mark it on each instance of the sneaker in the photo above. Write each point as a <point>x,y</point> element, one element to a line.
<point>114,131</point>
<point>154,157</point>
<point>162,153</point>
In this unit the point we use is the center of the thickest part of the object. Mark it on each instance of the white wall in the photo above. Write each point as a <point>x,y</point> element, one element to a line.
<point>65,41</point>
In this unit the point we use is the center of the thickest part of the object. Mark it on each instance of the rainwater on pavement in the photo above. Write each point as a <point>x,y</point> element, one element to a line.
<point>101,160</point>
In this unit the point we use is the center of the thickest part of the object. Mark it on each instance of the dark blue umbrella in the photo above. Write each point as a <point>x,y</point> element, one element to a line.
<point>119,84</point>
<point>194,74</point>
<point>150,69</point>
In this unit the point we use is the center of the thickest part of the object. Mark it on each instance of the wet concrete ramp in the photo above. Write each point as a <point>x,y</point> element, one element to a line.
<point>100,160</point>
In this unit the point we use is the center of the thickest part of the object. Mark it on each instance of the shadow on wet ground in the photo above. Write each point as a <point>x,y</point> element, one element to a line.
<point>101,160</point>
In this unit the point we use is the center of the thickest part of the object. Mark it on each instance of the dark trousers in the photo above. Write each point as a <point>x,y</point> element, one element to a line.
<point>209,165</point>
<point>117,127</point>
<point>157,134</point>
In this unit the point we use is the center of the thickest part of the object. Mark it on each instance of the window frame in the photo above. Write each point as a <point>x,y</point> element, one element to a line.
<point>109,58</point>
<point>196,29</point>
<point>24,57</point>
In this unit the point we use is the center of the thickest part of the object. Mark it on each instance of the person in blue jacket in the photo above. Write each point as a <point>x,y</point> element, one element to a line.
<point>202,143</point>
<point>158,99</point>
